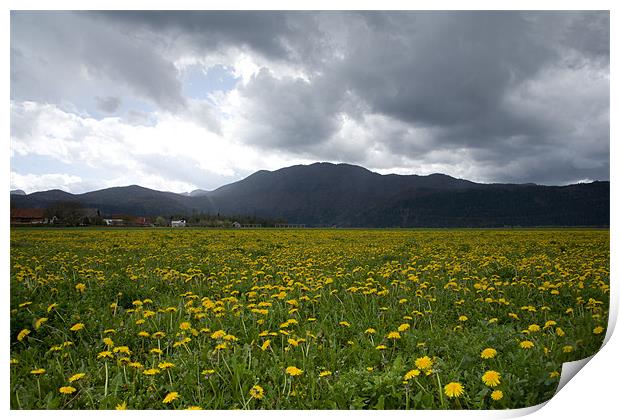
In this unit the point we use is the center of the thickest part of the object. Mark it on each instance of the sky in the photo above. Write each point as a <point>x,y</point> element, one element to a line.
<point>177,100</point>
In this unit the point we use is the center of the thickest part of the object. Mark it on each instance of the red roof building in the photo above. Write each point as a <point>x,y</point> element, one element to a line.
<point>28,216</point>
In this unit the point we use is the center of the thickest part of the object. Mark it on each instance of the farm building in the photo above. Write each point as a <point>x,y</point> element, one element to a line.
<point>28,216</point>
<point>178,223</point>
<point>236,225</point>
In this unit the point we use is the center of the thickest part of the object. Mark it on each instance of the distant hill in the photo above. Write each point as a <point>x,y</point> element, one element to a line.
<point>18,192</point>
<point>325,194</point>
<point>195,193</point>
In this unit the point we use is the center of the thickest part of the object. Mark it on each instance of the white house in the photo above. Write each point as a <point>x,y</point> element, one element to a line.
<point>178,223</point>
<point>236,225</point>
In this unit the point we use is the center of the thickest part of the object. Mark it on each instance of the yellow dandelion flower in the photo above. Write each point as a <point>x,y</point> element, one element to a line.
<point>144,334</point>
<point>257,392</point>
<point>22,334</point>
<point>294,371</point>
<point>80,287</point>
<point>325,373</point>
<point>526,344</point>
<point>150,372</point>
<point>411,374</point>
<point>182,342</point>
<point>156,351</point>
<point>560,332</point>
<point>159,334</point>
<point>598,330</point>
<point>554,374</point>
<point>122,349</point>
<point>39,371</point>
<point>165,365</point>
<point>403,327</point>
<point>488,353</point>
<point>39,322</point>
<point>185,325</point>
<point>491,378</point>
<point>77,327</point>
<point>381,347</point>
<point>423,363</point>
<point>104,354</point>
<point>51,307</point>
<point>497,395</point>
<point>67,390</point>
<point>567,349</point>
<point>121,406</point>
<point>453,389</point>
<point>108,342</point>
<point>218,334</point>
<point>533,328</point>
<point>370,331</point>
<point>393,335</point>
<point>344,324</point>
<point>170,397</point>
<point>265,345</point>
<point>14,361</point>
<point>76,377</point>
<point>463,318</point>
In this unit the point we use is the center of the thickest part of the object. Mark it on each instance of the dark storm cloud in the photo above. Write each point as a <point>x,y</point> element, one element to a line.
<point>56,55</point>
<point>108,104</point>
<point>491,81</point>
<point>442,68</point>
<point>290,114</point>
<point>265,32</point>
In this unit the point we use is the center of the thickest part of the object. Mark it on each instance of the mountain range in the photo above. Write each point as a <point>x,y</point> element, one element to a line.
<point>325,194</point>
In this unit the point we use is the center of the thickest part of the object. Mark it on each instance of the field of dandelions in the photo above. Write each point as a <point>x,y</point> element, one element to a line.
<point>301,319</point>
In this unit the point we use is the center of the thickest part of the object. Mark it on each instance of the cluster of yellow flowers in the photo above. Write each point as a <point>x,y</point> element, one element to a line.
<point>253,308</point>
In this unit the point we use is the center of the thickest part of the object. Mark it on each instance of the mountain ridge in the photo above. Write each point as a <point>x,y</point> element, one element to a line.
<point>325,194</point>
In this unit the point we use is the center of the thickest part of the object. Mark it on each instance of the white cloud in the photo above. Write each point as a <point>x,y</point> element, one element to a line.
<point>176,153</point>
<point>31,183</point>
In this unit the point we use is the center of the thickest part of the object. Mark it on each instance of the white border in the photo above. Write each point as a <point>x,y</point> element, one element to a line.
<point>593,394</point>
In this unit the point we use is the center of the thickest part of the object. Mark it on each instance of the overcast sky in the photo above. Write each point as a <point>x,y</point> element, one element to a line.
<point>183,100</point>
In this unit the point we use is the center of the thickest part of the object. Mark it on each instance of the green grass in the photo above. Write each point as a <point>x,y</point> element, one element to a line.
<point>226,279</point>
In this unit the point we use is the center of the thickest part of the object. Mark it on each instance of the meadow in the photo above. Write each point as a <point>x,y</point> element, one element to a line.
<point>301,319</point>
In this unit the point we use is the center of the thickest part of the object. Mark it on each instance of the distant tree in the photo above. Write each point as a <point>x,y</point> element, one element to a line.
<point>67,213</point>
<point>161,221</point>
